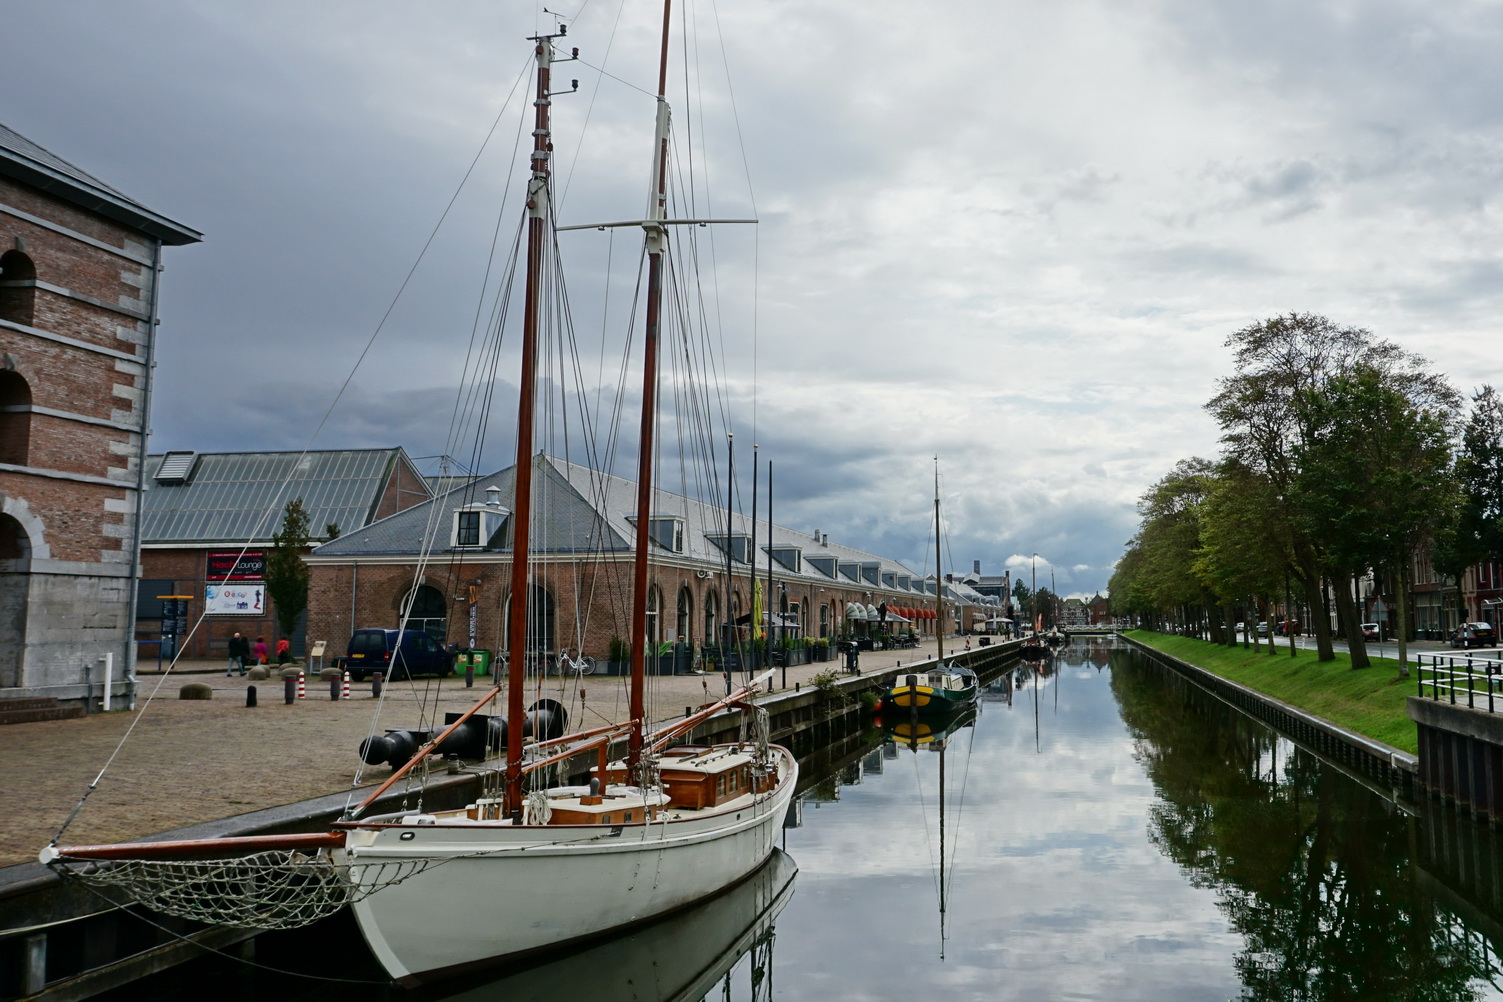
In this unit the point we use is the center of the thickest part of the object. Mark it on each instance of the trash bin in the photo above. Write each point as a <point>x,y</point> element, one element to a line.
<point>481,659</point>
<point>852,656</point>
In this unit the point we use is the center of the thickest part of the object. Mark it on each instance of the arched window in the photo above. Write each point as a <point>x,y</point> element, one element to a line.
<point>712,617</point>
<point>15,418</point>
<point>18,288</point>
<point>824,619</point>
<point>685,627</point>
<point>654,617</point>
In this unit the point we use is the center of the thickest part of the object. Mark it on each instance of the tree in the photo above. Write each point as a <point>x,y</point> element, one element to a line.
<point>1478,531</point>
<point>1244,545</point>
<point>286,574</point>
<point>1374,489</point>
<point>1283,364</point>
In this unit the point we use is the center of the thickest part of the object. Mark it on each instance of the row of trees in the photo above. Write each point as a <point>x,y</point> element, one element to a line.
<point>1342,455</point>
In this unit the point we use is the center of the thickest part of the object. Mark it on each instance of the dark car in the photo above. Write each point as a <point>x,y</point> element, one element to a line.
<point>416,653</point>
<point>1474,635</point>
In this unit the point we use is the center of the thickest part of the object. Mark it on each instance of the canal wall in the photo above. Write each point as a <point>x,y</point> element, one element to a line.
<point>61,942</point>
<point>1383,765</point>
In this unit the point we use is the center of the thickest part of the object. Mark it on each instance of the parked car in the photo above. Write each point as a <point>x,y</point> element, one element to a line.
<point>1474,635</point>
<point>396,654</point>
<point>1263,629</point>
<point>1289,627</point>
<point>1371,631</point>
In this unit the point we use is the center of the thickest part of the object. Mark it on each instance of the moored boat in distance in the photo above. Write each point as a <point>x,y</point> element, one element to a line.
<point>941,688</point>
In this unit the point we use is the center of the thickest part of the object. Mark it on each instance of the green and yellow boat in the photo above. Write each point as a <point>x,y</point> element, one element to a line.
<point>940,689</point>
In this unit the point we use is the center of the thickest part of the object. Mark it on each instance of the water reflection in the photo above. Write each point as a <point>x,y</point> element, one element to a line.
<point>1317,873</point>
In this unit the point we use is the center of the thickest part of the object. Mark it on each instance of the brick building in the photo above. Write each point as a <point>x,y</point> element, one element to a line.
<point>79,263</point>
<point>208,522</point>
<point>450,558</point>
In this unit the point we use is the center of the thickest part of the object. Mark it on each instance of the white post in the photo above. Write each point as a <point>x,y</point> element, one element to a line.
<point>109,672</point>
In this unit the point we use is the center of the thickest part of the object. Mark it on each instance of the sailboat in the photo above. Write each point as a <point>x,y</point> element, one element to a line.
<point>543,865</point>
<point>940,688</point>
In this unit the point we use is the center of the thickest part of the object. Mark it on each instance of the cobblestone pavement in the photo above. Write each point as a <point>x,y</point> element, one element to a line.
<point>192,761</point>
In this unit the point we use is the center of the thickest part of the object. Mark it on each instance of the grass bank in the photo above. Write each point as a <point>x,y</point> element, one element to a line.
<point>1370,701</point>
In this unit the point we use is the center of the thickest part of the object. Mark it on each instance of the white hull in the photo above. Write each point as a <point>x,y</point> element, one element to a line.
<point>493,890</point>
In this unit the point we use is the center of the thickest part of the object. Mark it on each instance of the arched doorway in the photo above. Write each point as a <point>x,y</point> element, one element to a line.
<point>430,613</point>
<point>15,576</point>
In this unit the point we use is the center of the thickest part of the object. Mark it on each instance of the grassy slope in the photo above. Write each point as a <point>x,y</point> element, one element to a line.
<point>1370,701</point>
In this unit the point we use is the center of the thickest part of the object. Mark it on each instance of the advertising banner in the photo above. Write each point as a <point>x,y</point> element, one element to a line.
<point>235,600</point>
<point>236,566</point>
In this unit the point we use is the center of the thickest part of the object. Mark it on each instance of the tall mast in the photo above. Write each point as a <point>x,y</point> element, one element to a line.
<point>939,582</point>
<point>538,212</point>
<point>652,224</point>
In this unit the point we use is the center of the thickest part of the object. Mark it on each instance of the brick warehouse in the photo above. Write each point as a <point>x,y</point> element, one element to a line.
<point>78,312</point>
<point>582,570</point>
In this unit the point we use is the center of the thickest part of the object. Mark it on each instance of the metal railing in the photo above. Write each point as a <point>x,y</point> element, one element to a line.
<point>1476,679</point>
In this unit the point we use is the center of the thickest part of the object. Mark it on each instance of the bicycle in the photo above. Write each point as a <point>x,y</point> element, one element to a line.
<point>563,664</point>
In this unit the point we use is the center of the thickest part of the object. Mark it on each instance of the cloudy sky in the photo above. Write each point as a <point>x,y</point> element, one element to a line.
<point>1011,234</point>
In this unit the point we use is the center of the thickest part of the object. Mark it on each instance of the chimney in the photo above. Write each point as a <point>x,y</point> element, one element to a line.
<point>976,567</point>
<point>824,539</point>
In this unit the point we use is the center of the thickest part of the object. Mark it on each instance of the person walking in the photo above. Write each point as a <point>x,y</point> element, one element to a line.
<point>284,650</point>
<point>259,651</point>
<point>238,650</point>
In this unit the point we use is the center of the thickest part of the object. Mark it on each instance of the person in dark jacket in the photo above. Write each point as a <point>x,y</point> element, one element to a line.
<point>238,649</point>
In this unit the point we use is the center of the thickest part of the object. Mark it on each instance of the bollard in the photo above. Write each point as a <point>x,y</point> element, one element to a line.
<point>688,711</point>
<point>289,690</point>
<point>334,689</point>
<point>346,685</point>
<point>376,681</point>
<point>250,695</point>
<point>302,687</point>
<point>469,675</point>
<point>452,762</point>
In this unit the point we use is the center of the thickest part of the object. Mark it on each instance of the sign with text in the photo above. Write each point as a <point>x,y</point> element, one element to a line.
<point>236,566</point>
<point>235,600</point>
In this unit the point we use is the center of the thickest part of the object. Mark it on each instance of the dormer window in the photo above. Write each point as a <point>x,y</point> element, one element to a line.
<point>788,556</point>
<point>738,546</point>
<point>477,525</point>
<point>825,565</point>
<point>665,530</point>
<point>869,572</point>
<point>851,571</point>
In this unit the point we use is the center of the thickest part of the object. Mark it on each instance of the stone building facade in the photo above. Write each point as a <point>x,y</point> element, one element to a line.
<point>79,268</point>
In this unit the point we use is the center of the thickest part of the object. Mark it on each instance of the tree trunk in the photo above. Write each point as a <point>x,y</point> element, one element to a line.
<point>1309,582</point>
<point>1346,613</point>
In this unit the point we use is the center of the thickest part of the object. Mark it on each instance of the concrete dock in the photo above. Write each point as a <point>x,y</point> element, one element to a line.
<point>188,762</point>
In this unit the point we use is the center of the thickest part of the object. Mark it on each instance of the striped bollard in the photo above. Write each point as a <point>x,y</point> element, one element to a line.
<point>302,690</point>
<point>346,685</point>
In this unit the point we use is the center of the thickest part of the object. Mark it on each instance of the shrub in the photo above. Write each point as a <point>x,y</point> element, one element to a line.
<point>828,684</point>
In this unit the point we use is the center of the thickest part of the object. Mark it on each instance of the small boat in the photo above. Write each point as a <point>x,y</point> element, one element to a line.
<point>939,689</point>
<point>1054,638</point>
<point>1033,649</point>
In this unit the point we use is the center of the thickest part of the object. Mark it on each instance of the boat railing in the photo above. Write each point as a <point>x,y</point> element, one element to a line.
<point>1473,679</point>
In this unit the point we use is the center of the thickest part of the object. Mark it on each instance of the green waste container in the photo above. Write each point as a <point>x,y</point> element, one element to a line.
<point>481,659</point>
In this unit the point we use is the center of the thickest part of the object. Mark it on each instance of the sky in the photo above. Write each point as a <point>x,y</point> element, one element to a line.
<point>1011,235</point>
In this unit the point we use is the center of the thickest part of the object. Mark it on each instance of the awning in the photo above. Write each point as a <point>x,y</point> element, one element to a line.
<point>855,610</point>
<point>871,613</point>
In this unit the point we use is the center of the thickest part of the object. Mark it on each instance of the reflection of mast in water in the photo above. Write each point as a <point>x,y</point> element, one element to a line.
<point>1036,747</point>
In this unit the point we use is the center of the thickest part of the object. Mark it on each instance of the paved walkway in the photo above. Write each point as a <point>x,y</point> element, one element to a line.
<point>192,761</point>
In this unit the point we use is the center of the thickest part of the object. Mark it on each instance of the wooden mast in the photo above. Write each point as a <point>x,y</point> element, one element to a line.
<point>657,212</point>
<point>939,582</point>
<point>537,220</point>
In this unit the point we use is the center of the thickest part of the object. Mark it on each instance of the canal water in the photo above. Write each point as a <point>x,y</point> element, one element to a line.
<point>1106,831</point>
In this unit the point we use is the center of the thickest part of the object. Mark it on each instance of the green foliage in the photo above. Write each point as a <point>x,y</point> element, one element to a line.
<point>286,574</point>
<point>828,685</point>
<point>618,650</point>
<point>869,700</point>
<point>331,531</point>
